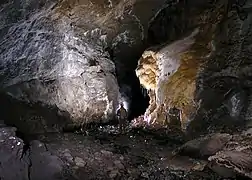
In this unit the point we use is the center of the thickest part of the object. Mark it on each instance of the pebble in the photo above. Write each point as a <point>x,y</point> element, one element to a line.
<point>68,156</point>
<point>118,164</point>
<point>75,167</point>
<point>134,172</point>
<point>113,173</point>
<point>248,132</point>
<point>110,168</point>
<point>79,162</point>
<point>107,153</point>
<point>12,137</point>
<point>96,154</point>
<point>145,175</point>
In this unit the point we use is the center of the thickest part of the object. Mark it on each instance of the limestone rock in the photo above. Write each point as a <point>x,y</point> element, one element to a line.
<point>44,164</point>
<point>53,64</point>
<point>13,158</point>
<point>176,65</point>
<point>235,157</point>
<point>227,155</point>
<point>155,70</point>
<point>79,162</point>
<point>184,164</point>
<point>113,174</point>
<point>202,67</point>
<point>63,54</point>
<point>118,164</point>
<point>205,146</point>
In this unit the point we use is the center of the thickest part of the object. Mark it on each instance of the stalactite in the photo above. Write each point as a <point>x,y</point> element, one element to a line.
<point>143,91</point>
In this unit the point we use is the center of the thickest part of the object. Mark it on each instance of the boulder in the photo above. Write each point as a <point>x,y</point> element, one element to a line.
<point>52,64</point>
<point>73,54</point>
<point>14,157</point>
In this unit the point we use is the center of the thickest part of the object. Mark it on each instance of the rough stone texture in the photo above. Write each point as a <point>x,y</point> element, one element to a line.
<point>204,147</point>
<point>27,161</point>
<point>14,160</point>
<point>102,155</point>
<point>226,75</point>
<point>208,82</point>
<point>236,155</point>
<point>227,155</point>
<point>62,63</point>
<point>158,71</point>
<point>63,54</point>
<point>44,164</point>
<point>32,118</point>
<point>44,60</point>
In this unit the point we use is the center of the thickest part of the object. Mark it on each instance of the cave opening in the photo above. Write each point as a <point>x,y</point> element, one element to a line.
<point>140,99</point>
<point>126,75</point>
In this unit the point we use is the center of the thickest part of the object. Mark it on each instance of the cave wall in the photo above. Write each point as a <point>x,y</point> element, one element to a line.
<point>43,59</point>
<point>79,57</point>
<point>202,70</point>
<point>74,55</point>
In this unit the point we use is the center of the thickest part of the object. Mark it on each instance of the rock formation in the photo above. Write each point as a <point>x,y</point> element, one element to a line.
<point>76,157</point>
<point>73,54</point>
<point>53,64</point>
<point>156,71</point>
<point>71,62</point>
<point>226,154</point>
<point>201,70</point>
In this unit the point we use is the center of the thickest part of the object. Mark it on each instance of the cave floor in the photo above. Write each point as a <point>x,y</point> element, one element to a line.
<point>106,154</point>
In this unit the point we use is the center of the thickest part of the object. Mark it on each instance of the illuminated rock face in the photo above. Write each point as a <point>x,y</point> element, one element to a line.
<point>73,54</point>
<point>175,67</point>
<point>57,53</point>
<point>45,60</point>
<point>171,81</point>
<point>202,72</point>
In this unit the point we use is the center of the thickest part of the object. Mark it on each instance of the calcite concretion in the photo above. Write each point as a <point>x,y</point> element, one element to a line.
<point>169,71</point>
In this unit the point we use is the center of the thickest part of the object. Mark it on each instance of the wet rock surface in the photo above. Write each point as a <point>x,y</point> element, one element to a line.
<point>102,154</point>
<point>137,154</point>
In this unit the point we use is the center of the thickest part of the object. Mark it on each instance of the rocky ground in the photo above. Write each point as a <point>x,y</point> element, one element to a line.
<point>97,154</point>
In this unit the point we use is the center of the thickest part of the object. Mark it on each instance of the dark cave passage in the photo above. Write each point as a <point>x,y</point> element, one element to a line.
<point>140,100</point>
<point>138,97</point>
<point>126,61</point>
